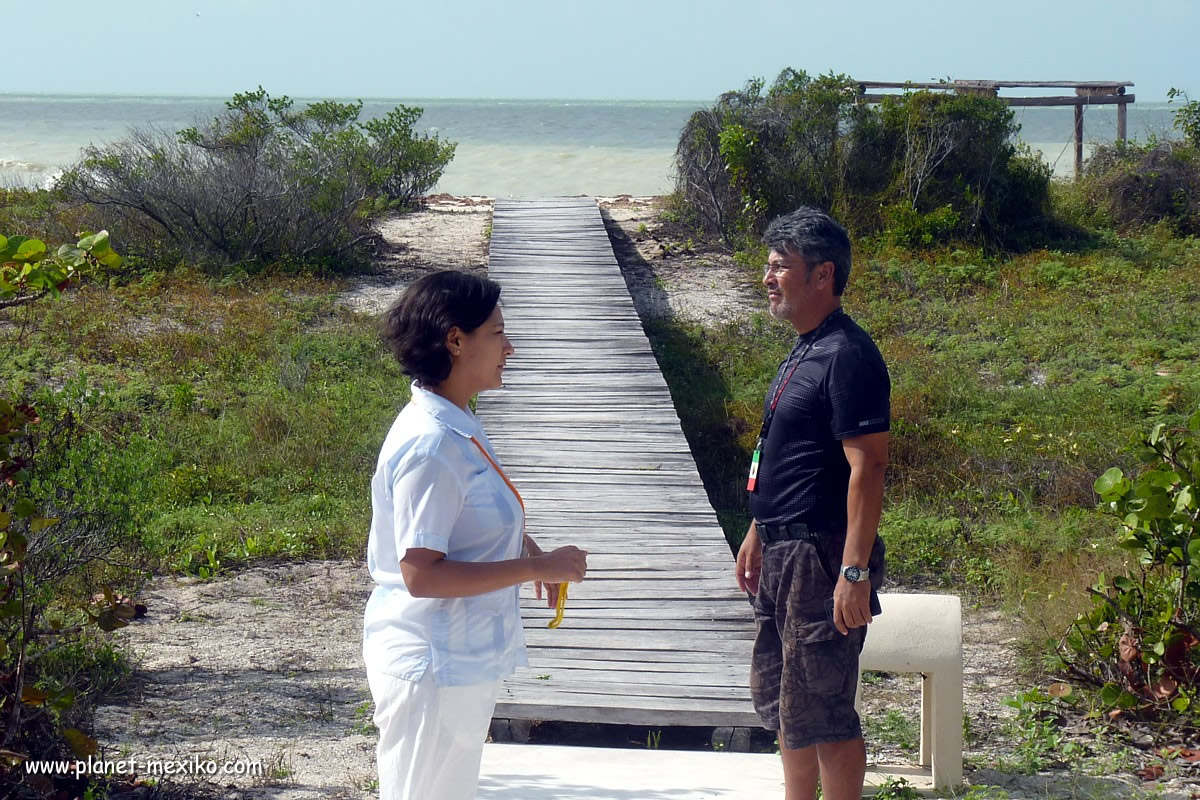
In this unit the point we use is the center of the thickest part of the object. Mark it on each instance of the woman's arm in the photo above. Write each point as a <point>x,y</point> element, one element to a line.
<point>428,573</point>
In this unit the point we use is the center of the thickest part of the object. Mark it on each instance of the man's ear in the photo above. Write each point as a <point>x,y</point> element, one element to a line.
<point>825,272</point>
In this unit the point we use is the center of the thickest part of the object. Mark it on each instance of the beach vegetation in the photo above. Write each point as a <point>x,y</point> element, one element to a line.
<point>1187,115</point>
<point>56,541</point>
<point>1131,186</point>
<point>1138,646</point>
<point>264,182</point>
<point>921,168</point>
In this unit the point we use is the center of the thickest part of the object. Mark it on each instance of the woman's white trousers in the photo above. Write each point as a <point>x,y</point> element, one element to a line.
<point>430,737</point>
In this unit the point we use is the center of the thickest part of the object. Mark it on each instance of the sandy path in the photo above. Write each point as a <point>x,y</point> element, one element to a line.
<point>264,666</point>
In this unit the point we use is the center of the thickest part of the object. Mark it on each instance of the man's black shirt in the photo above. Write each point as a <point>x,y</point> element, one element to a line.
<point>840,389</point>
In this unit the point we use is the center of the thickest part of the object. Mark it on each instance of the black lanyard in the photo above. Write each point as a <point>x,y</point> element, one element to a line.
<point>769,414</point>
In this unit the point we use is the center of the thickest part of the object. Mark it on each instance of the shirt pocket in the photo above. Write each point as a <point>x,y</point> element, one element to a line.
<point>468,634</point>
<point>489,520</point>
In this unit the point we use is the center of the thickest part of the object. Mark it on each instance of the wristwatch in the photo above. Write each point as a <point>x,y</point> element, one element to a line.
<point>855,574</point>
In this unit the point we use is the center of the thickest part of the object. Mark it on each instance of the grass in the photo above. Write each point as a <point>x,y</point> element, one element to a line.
<point>1016,381</point>
<point>894,727</point>
<point>232,422</point>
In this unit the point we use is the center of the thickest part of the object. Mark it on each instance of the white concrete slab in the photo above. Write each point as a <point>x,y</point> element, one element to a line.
<point>542,772</point>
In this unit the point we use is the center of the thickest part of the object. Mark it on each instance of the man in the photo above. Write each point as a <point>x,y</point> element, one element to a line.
<point>811,556</point>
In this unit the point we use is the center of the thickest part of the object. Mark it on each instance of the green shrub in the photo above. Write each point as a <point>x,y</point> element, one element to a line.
<point>1139,646</point>
<point>262,182</point>
<point>55,538</point>
<point>1187,116</point>
<point>1138,185</point>
<point>929,167</point>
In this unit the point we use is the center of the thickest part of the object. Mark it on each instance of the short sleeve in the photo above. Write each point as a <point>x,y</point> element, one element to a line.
<point>427,497</point>
<point>859,392</point>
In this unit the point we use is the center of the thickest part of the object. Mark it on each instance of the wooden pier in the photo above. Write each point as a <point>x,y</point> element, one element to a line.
<point>658,634</point>
<point>1087,94</point>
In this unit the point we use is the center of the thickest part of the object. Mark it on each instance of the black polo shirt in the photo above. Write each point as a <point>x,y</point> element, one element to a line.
<point>840,389</point>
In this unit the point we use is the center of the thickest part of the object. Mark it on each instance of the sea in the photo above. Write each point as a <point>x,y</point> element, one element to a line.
<point>506,148</point>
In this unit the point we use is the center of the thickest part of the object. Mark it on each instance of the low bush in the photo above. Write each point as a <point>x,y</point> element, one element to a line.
<point>927,167</point>
<point>1187,116</point>
<point>262,182</point>
<point>1140,185</point>
<point>1139,646</point>
<point>57,539</point>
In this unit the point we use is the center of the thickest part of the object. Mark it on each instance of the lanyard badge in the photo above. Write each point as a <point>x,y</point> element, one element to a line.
<point>754,459</point>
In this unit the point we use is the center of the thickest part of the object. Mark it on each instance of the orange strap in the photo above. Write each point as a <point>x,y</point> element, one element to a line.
<point>562,587</point>
<point>492,461</point>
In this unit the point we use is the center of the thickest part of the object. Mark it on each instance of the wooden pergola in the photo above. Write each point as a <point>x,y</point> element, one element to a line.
<point>1087,93</point>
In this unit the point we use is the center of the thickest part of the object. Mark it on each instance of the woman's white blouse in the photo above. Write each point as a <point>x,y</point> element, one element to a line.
<point>433,489</point>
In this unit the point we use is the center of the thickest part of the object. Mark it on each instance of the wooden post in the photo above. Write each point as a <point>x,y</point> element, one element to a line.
<point>1121,121</point>
<point>1079,140</point>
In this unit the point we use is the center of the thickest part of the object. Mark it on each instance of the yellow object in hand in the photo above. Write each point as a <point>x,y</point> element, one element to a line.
<point>559,607</point>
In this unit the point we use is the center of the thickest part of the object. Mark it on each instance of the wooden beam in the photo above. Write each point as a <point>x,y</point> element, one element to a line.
<point>1108,100</point>
<point>1119,85</point>
<point>1078,141</point>
<point>1122,112</point>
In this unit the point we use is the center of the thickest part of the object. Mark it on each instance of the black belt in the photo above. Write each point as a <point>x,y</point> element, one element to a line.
<point>788,532</point>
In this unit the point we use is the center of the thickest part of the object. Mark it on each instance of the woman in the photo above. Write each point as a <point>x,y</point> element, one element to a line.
<point>447,550</point>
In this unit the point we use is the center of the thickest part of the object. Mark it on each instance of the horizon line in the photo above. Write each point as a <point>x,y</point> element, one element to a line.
<point>364,97</point>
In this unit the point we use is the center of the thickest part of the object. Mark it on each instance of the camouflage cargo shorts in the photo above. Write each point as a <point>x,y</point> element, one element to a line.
<point>804,673</point>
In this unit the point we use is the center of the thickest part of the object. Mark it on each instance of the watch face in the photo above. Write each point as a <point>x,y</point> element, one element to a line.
<point>853,574</point>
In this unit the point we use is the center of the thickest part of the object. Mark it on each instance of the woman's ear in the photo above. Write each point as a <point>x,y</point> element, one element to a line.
<point>454,340</point>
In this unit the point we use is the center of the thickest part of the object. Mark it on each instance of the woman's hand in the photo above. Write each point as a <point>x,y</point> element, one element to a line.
<point>552,584</point>
<point>530,549</point>
<point>564,565</point>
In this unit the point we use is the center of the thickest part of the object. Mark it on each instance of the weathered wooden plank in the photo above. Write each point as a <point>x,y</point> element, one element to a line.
<point>585,426</point>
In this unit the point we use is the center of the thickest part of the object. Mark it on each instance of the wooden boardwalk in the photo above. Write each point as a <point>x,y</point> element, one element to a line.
<point>658,634</point>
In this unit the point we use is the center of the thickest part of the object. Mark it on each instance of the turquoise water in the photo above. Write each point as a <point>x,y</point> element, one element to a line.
<point>505,147</point>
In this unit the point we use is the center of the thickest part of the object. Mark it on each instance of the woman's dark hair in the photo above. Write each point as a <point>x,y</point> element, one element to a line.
<point>416,325</point>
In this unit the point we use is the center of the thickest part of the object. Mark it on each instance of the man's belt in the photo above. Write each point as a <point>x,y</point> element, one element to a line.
<point>788,532</point>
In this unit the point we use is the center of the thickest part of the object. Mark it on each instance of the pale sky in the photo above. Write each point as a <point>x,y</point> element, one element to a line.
<point>618,49</point>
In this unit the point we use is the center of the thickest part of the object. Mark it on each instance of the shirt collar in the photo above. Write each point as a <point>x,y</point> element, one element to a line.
<point>459,420</point>
<point>823,328</point>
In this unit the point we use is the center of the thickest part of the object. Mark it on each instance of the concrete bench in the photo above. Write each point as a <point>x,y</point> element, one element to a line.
<point>923,633</point>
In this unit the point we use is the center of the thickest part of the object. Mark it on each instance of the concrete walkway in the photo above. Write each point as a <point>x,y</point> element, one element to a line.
<point>541,772</point>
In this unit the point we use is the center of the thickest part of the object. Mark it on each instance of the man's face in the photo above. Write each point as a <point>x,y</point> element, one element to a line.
<point>789,284</point>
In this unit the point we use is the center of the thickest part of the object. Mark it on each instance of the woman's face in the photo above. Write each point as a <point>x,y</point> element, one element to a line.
<point>481,354</point>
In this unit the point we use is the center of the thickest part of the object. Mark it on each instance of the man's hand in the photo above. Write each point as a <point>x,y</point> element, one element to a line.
<point>851,605</point>
<point>749,561</point>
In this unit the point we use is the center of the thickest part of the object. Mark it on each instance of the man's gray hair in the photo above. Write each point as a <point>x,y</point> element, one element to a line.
<point>816,237</point>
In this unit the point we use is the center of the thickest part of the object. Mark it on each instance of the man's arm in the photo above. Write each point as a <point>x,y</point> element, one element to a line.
<point>749,561</point>
<point>868,458</point>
